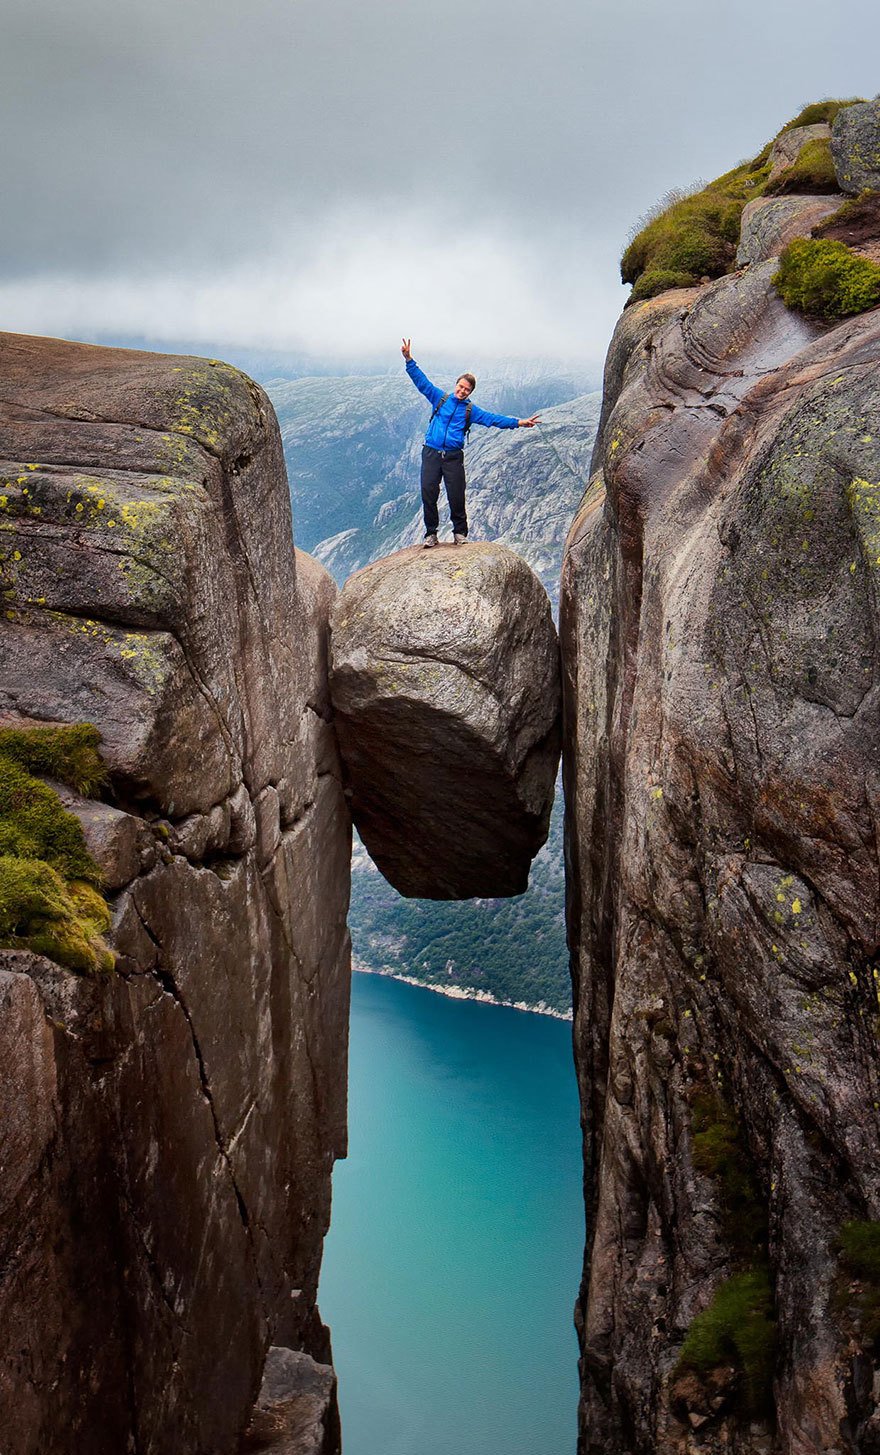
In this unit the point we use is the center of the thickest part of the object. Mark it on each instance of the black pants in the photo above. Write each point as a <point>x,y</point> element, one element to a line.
<point>447,465</point>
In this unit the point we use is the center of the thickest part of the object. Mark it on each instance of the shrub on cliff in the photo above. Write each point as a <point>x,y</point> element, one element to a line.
<point>737,1328</point>
<point>720,1152</point>
<point>818,111</point>
<point>826,279</point>
<point>858,1247</point>
<point>695,236</point>
<point>49,902</point>
<point>692,237</point>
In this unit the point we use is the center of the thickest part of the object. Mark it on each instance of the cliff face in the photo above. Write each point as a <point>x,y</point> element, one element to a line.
<point>169,1127</point>
<point>719,628</point>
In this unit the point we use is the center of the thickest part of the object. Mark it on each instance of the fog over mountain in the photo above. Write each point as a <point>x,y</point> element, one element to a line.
<point>274,174</point>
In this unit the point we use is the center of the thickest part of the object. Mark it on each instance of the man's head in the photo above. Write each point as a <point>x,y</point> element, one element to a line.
<point>465,384</point>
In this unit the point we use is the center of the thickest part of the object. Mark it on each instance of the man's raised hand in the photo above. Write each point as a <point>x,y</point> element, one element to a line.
<point>404,347</point>
<point>529,423</point>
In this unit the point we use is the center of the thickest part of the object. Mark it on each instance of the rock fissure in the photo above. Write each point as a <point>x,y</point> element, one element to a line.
<point>166,980</point>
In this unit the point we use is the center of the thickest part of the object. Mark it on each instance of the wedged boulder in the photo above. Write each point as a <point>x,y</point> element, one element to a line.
<point>445,685</point>
<point>855,146</point>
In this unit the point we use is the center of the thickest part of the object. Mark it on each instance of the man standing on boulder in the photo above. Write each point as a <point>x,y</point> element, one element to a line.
<point>443,450</point>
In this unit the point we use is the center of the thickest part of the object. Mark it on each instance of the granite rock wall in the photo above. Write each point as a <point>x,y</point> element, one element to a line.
<point>719,632</point>
<point>168,1129</point>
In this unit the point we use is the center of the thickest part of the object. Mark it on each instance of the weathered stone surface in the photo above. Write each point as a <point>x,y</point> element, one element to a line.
<point>857,224</point>
<point>719,624</point>
<point>789,144</point>
<point>174,1123</point>
<point>296,1412</point>
<point>445,685</point>
<point>855,146</point>
<point>770,223</point>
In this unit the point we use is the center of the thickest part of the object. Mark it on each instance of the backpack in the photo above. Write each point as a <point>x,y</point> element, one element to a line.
<point>467,414</point>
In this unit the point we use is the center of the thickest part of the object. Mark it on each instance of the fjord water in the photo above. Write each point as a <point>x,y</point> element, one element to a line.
<point>455,1248</point>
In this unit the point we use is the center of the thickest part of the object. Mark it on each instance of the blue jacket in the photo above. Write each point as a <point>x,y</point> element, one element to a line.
<point>446,429</point>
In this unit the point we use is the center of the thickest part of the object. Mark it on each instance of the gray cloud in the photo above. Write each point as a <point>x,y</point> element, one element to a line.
<point>169,161</point>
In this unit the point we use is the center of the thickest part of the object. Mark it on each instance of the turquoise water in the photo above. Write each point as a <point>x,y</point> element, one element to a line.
<point>454,1254</point>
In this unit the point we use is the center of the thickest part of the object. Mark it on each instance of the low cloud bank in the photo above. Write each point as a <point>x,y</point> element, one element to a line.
<point>355,286</point>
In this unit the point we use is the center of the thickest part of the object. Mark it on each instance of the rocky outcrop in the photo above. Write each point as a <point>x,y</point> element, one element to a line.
<point>855,146</point>
<point>789,144</point>
<point>168,1127</point>
<point>296,1411</point>
<point>719,630</point>
<point>445,689</point>
<point>770,223</point>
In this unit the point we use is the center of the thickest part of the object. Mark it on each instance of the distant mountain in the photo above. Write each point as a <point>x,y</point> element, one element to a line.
<point>352,446</point>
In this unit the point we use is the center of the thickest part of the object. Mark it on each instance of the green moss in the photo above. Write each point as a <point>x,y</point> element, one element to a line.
<point>826,279</point>
<point>69,754</point>
<point>48,899</point>
<point>660,280</point>
<point>819,111</point>
<point>691,237</point>
<point>858,1248</point>
<point>719,1152</point>
<point>694,236</point>
<point>39,912</point>
<point>737,1328</point>
<point>811,171</point>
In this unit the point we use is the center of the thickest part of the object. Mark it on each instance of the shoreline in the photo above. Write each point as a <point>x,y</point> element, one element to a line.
<point>466,992</point>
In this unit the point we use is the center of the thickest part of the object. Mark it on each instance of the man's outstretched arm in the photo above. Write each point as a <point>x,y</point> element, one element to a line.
<point>502,421</point>
<point>421,381</point>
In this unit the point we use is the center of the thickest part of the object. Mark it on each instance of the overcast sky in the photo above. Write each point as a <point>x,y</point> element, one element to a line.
<point>323,175</point>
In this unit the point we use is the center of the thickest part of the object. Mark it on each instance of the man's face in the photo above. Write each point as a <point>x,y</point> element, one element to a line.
<point>462,389</point>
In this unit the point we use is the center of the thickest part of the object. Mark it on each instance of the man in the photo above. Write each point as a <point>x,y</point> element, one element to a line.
<point>443,450</point>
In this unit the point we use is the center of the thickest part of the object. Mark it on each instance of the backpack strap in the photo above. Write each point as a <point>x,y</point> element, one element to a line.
<point>437,407</point>
<point>467,414</point>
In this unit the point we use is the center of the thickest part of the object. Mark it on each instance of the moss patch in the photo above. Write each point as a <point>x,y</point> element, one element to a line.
<point>826,279</point>
<point>811,171</point>
<point>695,236</point>
<point>819,111</point>
<point>69,754</point>
<point>49,902</point>
<point>719,1152</point>
<point>858,1290</point>
<point>737,1328</point>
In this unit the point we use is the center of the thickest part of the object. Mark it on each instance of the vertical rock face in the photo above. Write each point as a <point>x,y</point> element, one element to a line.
<point>168,1129</point>
<point>719,629</point>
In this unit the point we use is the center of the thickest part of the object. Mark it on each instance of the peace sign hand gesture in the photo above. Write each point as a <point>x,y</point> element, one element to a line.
<point>404,348</point>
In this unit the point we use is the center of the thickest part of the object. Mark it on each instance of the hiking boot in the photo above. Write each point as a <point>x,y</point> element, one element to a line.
<point>430,541</point>
<point>459,540</point>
